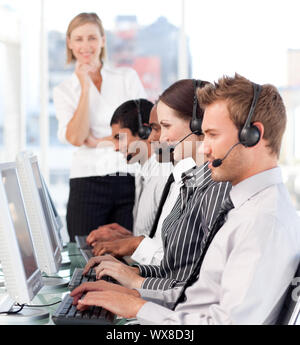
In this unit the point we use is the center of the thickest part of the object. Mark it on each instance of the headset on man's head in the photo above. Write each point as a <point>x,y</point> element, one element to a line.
<point>249,134</point>
<point>143,130</point>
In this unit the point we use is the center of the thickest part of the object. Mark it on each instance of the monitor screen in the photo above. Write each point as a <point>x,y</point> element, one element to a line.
<point>55,213</point>
<point>18,216</point>
<point>39,184</point>
<point>57,219</point>
<point>51,201</point>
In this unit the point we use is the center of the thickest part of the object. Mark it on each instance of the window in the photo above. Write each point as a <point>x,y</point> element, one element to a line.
<point>2,108</point>
<point>260,41</point>
<point>251,37</point>
<point>10,89</point>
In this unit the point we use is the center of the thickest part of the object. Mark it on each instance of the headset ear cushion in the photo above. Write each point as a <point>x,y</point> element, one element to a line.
<point>144,132</point>
<point>249,136</point>
<point>195,126</point>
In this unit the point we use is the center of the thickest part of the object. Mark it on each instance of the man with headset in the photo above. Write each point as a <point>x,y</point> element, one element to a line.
<point>118,243</point>
<point>130,134</point>
<point>246,264</point>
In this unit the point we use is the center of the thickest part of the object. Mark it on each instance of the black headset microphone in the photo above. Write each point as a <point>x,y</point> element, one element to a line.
<point>249,135</point>
<point>195,123</point>
<point>168,149</point>
<point>172,147</point>
<point>129,157</point>
<point>217,162</point>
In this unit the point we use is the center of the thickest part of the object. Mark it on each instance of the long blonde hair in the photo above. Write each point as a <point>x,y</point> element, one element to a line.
<point>81,19</point>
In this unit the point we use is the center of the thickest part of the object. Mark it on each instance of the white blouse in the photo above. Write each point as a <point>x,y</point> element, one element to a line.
<point>118,86</point>
<point>150,251</point>
<point>150,181</point>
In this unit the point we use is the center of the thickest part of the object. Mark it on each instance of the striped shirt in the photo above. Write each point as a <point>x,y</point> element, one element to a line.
<point>194,213</point>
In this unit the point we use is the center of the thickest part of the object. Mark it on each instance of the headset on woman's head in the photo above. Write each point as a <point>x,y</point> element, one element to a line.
<point>196,122</point>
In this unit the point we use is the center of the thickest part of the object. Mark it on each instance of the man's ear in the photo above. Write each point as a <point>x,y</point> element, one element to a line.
<point>260,127</point>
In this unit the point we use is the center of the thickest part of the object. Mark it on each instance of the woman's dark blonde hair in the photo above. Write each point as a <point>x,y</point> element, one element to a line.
<point>81,19</point>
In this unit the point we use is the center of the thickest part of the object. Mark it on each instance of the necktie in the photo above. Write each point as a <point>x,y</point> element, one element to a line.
<point>226,206</point>
<point>185,193</point>
<point>161,204</point>
<point>188,180</point>
<point>139,186</point>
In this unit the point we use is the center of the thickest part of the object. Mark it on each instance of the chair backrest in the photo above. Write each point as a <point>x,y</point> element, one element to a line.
<point>290,310</point>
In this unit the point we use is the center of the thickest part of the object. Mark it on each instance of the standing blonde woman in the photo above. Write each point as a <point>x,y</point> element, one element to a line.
<point>84,105</point>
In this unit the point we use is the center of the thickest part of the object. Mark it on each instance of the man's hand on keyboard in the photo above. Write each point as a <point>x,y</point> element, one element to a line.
<point>108,232</point>
<point>118,248</point>
<point>118,303</point>
<point>126,275</point>
<point>99,285</point>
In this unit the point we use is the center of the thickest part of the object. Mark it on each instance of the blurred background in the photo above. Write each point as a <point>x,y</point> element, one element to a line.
<point>163,40</point>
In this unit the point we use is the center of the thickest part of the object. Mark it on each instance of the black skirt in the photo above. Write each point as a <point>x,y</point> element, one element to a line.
<point>99,200</point>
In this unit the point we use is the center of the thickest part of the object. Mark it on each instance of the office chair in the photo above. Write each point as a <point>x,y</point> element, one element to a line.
<point>290,311</point>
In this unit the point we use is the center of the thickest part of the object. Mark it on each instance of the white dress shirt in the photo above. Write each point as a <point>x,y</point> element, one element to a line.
<point>150,182</point>
<point>249,264</point>
<point>150,250</point>
<point>118,85</point>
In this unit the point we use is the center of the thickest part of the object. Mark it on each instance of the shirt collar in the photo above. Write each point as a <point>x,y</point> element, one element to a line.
<point>147,169</point>
<point>152,168</point>
<point>247,188</point>
<point>181,167</point>
<point>198,176</point>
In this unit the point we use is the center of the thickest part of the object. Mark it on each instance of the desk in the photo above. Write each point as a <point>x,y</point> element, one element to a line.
<point>54,295</point>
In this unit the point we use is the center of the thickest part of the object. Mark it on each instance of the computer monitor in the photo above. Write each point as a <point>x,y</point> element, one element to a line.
<point>39,210</point>
<point>22,276</point>
<point>56,217</point>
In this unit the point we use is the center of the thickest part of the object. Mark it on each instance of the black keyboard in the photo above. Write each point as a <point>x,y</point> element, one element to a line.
<point>67,314</point>
<point>81,242</point>
<point>87,254</point>
<point>78,278</point>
